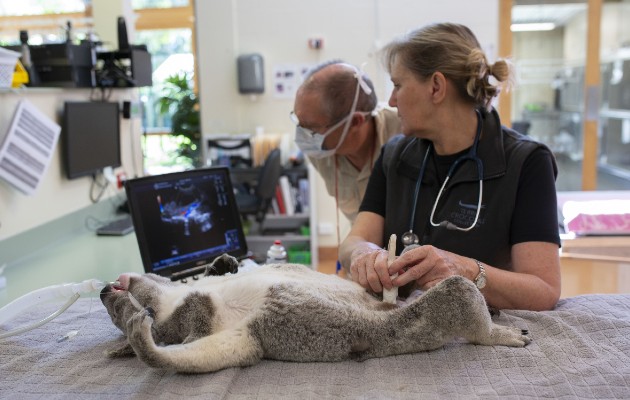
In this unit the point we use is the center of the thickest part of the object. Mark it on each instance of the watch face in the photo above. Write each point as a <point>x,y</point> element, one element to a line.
<point>481,281</point>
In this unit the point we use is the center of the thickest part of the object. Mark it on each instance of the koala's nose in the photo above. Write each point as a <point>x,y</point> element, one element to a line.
<point>107,289</point>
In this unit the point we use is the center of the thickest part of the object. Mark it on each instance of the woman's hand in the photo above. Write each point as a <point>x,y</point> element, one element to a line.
<point>369,269</point>
<point>427,266</point>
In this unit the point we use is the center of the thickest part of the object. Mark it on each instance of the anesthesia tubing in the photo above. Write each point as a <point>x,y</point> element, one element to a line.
<point>67,291</point>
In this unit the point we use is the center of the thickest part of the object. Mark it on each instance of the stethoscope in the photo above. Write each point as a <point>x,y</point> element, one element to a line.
<point>408,238</point>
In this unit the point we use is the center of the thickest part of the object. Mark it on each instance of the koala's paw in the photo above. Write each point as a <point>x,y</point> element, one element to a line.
<point>222,265</point>
<point>524,336</point>
<point>510,336</point>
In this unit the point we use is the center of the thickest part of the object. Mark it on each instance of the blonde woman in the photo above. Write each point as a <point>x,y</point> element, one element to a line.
<point>467,195</point>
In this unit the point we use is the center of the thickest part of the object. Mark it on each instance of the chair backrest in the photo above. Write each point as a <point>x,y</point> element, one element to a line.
<point>232,151</point>
<point>269,175</point>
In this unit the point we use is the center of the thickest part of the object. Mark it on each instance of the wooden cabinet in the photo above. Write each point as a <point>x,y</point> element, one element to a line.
<point>594,264</point>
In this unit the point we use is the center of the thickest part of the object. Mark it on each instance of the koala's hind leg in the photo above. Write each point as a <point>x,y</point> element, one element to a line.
<point>225,349</point>
<point>456,308</point>
<point>479,326</point>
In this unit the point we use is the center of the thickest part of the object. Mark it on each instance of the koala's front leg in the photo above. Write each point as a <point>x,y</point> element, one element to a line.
<point>141,339</point>
<point>224,349</point>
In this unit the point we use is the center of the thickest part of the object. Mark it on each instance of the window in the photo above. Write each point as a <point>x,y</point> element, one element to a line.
<point>164,26</point>
<point>45,20</point>
<point>171,54</point>
<point>139,4</point>
<point>40,7</point>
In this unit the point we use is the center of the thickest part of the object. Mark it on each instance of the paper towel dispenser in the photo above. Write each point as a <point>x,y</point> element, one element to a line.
<point>251,77</point>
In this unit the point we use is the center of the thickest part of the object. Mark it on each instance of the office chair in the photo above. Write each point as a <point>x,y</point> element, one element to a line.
<point>233,152</point>
<point>256,200</point>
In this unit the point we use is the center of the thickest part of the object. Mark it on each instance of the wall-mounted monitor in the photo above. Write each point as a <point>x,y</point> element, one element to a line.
<point>90,137</point>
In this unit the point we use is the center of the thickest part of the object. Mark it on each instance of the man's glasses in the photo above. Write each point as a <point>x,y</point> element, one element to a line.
<point>296,121</point>
<point>312,132</point>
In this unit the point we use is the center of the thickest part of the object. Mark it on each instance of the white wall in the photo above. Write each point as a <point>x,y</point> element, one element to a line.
<point>57,196</point>
<point>279,30</point>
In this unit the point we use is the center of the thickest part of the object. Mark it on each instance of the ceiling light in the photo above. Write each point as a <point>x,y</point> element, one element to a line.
<point>534,26</point>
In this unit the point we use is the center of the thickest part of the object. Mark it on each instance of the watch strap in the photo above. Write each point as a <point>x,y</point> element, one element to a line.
<point>480,280</point>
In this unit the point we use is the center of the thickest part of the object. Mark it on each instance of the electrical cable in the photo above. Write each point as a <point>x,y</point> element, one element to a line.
<point>102,187</point>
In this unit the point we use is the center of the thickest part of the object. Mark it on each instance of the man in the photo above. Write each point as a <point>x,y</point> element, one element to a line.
<point>341,129</point>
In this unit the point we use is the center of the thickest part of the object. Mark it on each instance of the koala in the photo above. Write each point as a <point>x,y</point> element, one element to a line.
<point>288,312</point>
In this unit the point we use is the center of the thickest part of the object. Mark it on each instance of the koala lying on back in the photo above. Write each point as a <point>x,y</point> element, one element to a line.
<point>288,312</point>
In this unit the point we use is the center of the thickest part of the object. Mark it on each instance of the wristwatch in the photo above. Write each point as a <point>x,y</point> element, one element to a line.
<point>480,280</point>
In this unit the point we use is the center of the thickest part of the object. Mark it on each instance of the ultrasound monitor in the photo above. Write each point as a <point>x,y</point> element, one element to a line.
<point>184,220</point>
<point>90,137</point>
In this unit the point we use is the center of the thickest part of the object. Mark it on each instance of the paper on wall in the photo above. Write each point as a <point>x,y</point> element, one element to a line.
<point>28,147</point>
<point>287,78</point>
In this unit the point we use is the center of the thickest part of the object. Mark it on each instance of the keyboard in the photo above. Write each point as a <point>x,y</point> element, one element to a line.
<point>117,227</point>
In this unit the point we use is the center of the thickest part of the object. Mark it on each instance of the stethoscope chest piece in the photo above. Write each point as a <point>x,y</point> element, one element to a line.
<point>408,238</point>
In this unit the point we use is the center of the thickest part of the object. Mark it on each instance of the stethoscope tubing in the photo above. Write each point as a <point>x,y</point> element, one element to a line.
<point>410,237</point>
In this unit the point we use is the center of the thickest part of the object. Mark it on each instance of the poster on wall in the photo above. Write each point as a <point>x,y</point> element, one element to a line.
<point>28,147</point>
<point>287,78</point>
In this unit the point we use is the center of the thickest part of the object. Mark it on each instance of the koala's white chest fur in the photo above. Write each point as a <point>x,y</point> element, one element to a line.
<point>240,295</point>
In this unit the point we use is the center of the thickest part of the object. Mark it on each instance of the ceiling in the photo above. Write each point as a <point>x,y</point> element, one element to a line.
<point>537,12</point>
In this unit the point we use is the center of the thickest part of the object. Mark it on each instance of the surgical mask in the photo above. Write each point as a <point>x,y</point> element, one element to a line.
<point>311,143</point>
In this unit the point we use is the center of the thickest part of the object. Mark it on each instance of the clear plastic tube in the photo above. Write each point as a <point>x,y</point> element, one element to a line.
<point>68,291</point>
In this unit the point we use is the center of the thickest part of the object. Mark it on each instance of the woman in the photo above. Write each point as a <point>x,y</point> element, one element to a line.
<point>473,198</point>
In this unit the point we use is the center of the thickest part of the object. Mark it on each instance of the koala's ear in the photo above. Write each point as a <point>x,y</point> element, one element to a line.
<point>222,265</point>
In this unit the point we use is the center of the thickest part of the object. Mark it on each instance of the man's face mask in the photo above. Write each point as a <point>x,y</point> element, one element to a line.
<point>312,143</point>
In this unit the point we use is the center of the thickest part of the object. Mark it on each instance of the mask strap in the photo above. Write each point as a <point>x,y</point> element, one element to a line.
<point>358,73</point>
<point>347,121</point>
<point>352,109</point>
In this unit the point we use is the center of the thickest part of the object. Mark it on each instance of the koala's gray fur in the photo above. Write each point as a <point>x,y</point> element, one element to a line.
<point>289,312</point>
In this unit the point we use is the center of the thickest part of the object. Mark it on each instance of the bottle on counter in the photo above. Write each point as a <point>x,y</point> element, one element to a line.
<point>276,253</point>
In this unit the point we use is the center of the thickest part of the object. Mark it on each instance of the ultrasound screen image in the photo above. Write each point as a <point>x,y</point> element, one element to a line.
<point>186,219</point>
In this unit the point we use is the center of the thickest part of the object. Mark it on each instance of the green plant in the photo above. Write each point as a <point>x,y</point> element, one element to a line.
<point>181,103</point>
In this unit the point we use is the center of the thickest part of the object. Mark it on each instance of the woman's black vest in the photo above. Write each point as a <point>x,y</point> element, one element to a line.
<point>502,151</point>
